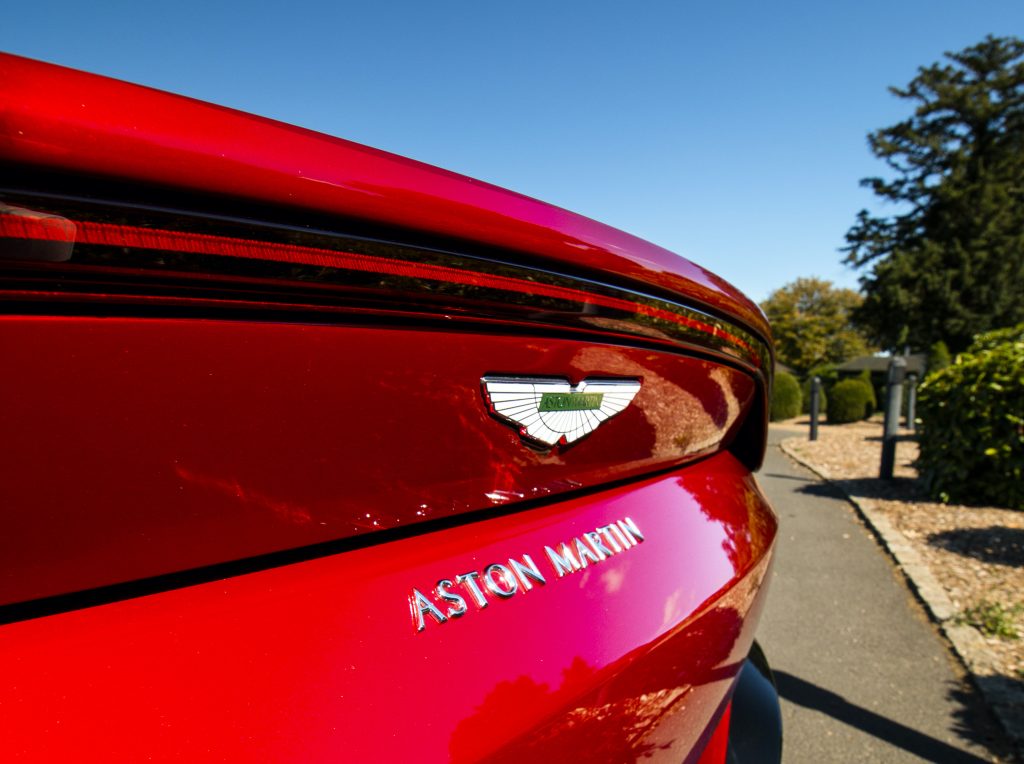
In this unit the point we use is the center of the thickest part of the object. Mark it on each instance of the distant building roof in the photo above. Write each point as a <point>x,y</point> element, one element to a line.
<point>916,363</point>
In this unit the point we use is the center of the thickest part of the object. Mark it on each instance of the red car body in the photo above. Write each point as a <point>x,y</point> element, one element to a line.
<point>250,471</point>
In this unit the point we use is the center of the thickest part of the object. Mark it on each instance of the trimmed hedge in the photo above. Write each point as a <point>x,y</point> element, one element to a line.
<point>972,432</point>
<point>848,401</point>
<point>785,397</point>
<point>872,406</point>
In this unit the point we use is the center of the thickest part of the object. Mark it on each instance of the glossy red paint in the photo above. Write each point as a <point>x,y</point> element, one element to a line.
<point>61,118</point>
<point>717,748</point>
<point>146,446</point>
<point>632,657</point>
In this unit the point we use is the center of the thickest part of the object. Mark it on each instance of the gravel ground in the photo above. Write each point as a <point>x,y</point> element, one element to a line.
<point>975,553</point>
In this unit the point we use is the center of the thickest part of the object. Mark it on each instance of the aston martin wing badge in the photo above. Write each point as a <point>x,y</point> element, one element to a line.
<point>551,411</point>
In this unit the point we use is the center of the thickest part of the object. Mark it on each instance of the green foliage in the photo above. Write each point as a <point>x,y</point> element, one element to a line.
<point>950,262</point>
<point>938,357</point>
<point>872,404</point>
<point>848,401</point>
<point>811,324</point>
<point>972,433</point>
<point>785,397</point>
<point>993,619</point>
<point>805,388</point>
<point>829,373</point>
<point>993,339</point>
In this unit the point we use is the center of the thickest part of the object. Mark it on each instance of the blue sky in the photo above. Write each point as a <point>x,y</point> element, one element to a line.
<point>730,132</point>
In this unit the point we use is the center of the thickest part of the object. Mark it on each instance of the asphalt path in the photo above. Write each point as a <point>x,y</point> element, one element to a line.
<point>863,675</point>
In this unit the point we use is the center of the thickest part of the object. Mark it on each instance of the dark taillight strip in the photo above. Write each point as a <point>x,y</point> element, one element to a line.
<point>16,225</point>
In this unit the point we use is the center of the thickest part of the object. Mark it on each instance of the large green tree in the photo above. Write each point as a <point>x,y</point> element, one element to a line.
<point>811,324</point>
<point>950,262</point>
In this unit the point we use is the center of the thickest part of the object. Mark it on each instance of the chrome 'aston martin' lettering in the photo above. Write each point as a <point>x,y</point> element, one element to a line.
<point>553,412</point>
<point>520,574</point>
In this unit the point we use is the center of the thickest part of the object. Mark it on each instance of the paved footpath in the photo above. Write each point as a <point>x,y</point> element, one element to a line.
<point>863,675</point>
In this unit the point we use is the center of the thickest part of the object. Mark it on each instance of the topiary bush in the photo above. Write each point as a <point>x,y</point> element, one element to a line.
<point>785,397</point>
<point>972,431</point>
<point>848,401</point>
<point>872,404</point>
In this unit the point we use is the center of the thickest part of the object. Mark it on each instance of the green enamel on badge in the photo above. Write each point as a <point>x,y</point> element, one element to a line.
<point>570,401</point>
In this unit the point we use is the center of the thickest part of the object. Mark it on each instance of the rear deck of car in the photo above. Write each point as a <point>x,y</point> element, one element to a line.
<point>258,501</point>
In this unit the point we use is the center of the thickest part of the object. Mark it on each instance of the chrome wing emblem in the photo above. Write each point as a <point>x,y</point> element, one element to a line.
<point>552,411</point>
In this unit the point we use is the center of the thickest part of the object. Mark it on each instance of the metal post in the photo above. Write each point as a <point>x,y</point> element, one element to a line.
<point>815,405</point>
<point>893,400</point>
<point>911,402</point>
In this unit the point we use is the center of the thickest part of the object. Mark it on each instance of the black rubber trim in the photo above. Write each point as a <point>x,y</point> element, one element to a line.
<point>755,727</point>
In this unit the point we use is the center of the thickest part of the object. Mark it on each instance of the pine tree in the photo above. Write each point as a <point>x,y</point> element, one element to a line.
<point>950,263</point>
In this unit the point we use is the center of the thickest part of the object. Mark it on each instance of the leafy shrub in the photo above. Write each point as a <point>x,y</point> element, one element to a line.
<point>785,397</point>
<point>938,357</point>
<point>872,404</point>
<point>992,340</point>
<point>848,401</point>
<point>828,372</point>
<point>972,433</point>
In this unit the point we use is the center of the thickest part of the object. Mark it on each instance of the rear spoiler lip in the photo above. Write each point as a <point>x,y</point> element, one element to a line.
<point>62,119</point>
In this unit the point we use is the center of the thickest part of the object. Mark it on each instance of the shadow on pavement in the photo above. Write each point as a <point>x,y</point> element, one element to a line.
<point>789,477</point>
<point>996,544</point>
<point>803,693</point>
<point>901,488</point>
<point>975,722</point>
